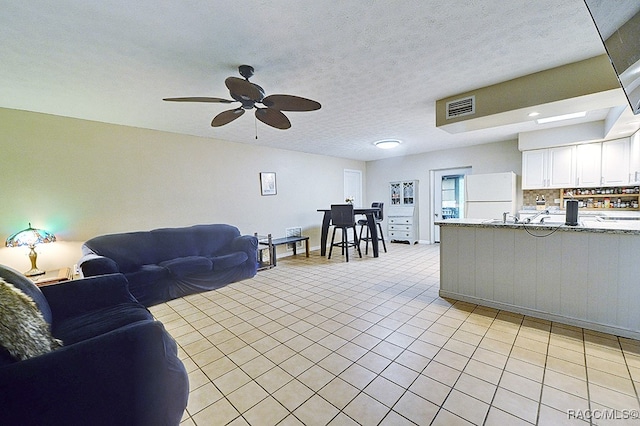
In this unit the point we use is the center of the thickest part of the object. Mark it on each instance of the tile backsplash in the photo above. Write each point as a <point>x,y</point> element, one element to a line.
<point>550,196</point>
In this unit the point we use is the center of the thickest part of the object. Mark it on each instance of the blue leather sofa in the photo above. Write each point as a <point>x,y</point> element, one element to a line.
<point>168,263</point>
<point>117,365</point>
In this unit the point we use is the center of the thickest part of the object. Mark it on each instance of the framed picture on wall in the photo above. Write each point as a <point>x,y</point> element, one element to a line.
<point>268,183</point>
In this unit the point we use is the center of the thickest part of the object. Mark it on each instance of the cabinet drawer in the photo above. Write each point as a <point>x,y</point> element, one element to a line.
<point>399,235</point>
<point>406,228</point>
<point>407,220</point>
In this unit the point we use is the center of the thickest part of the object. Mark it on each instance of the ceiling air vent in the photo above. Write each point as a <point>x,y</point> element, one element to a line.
<point>460,107</point>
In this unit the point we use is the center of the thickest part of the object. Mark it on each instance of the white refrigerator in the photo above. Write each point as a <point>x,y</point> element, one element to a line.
<point>488,196</point>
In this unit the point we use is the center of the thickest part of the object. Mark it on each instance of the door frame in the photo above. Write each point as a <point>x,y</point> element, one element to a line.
<point>435,177</point>
<point>355,177</point>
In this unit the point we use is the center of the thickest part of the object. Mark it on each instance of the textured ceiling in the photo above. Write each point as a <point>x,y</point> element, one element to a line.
<point>377,68</point>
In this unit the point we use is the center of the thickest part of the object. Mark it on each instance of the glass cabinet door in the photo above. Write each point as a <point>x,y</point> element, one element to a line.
<point>395,193</point>
<point>407,193</point>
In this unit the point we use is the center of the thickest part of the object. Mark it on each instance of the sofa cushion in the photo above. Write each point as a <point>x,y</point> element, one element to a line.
<point>23,331</point>
<point>98,322</point>
<point>189,265</point>
<point>197,240</point>
<point>148,273</point>
<point>229,260</point>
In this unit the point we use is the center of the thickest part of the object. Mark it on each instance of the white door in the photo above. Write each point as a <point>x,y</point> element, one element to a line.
<point>353,186</point>
<point>436,198</point>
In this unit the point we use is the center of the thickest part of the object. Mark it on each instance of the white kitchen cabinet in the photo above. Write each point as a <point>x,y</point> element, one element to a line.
<point>548,168</point>
<point>562,170</point>
<point>589,164</point>
<point>634,158</point>
<point>615,166</point>
<point>534,169</point>
<point>609,163</point>
<point>402,215</point>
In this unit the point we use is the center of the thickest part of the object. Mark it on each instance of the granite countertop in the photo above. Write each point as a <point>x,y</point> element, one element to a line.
<point>586,224</point>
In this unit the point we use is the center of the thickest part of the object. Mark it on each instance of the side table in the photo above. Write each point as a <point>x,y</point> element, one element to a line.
<point>54,276</point>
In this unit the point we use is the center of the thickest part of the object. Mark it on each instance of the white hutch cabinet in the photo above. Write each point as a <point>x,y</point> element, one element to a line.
<point>402,214</point>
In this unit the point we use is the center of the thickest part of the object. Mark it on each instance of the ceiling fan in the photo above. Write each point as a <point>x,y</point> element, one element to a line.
<point>249,94</point>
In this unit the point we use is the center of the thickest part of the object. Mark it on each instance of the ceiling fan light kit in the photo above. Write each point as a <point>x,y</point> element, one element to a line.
<point>249,94</point>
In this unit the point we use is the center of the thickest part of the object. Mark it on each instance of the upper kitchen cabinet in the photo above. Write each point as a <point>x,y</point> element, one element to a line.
<point>589,164</point>
<point>634,158</point>
<point>548,168</point>
<point>611,163</point>
<point>534,169</point>
<point>604,163</point>
<point>615,163</point>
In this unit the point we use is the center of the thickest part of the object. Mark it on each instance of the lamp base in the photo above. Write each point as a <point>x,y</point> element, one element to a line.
<point>33,256</point>
<point>34,272</point>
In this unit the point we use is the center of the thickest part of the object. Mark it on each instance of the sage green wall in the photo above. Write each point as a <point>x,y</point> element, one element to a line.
<point>80,179</point>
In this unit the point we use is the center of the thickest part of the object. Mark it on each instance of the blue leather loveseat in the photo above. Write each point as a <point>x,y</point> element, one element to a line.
<point>116,365</point>
<point>164,264</point>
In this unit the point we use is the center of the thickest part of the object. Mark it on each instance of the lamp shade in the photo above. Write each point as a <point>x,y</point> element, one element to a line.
<point>30,237</point>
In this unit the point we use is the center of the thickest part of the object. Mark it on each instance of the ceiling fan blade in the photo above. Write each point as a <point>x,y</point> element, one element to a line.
<point>226,117</point>
<point>199,99</point>
<point>273,118</point>
<point>290,103</point>
<point>243,89</point>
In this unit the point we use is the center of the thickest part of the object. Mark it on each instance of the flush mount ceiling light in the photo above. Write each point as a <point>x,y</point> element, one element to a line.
<point>387,143</point>
<point>561,117</point>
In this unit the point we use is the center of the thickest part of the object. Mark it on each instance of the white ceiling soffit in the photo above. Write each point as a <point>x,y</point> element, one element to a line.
<point>377,68</point>
<point>599,125</point>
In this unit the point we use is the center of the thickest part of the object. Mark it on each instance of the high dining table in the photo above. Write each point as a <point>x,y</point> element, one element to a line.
<point>371,222</point>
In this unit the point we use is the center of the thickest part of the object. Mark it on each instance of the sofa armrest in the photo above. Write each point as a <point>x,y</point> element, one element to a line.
<point>92,264</point>
<point>130,376</point>
<point>77,297</point>
<point>247,244</point>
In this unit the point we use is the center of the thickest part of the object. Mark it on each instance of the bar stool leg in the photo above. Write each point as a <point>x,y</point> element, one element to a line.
<point>382,237</point>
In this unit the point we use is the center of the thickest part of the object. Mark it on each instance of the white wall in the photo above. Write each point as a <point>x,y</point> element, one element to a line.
<point>79,179</point>
<point>488,158</point>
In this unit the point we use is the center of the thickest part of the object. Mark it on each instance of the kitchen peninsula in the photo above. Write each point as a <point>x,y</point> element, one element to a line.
<point>586,275</point>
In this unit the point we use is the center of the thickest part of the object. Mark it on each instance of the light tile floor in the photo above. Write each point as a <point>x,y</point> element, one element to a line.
<point>325,342</point>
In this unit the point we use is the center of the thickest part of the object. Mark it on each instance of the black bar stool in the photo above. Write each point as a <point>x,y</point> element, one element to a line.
<point>343,218</point>
<point>364,224</point>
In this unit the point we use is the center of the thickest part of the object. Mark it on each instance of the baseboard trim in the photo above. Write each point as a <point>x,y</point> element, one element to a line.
<point>610,329</point>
